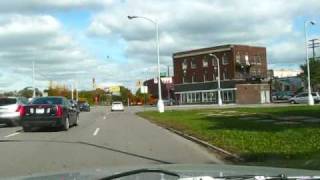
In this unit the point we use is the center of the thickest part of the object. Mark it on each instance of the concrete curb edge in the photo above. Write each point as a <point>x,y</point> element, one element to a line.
<point>206,144</point>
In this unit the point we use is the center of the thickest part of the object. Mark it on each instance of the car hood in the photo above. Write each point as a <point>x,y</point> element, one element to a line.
<point>185,170</point>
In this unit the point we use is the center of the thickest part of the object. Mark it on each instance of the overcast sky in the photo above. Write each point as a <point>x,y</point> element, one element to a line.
<point>76,40</point>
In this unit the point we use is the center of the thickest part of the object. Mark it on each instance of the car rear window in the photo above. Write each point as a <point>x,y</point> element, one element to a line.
<point>7,101</point>
<point>47,101</point>
<point>117,103</point>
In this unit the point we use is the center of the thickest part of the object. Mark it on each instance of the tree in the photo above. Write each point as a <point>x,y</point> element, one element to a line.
<point>140,97</point>
<point>28,92</point>
<point>314,73</point>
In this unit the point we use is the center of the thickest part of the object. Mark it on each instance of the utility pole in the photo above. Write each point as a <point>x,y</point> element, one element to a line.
<point>72,90</point>
<point>315,43</point>
<point>77,92</point>
<point>168,71</point>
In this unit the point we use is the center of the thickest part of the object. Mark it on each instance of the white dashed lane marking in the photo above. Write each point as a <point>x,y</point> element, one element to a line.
<point>96,132</point>
<point>13,134</point>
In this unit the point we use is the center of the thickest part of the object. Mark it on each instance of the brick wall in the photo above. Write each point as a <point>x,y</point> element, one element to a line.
<point>210,72</point>
<point>250,93</point>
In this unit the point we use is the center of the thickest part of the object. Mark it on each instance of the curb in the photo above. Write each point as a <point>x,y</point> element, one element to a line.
<point>206,144</point>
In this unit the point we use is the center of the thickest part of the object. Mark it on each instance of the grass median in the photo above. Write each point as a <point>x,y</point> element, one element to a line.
<point>275,136</point>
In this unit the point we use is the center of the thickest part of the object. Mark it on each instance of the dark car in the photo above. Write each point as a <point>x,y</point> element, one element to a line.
<point>75,104</point>
<point>49,112</point>
<point>84,106</point>
<point>10,110</point>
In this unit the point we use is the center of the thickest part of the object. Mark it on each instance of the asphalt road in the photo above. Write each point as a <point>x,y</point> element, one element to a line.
<point>103,139</point>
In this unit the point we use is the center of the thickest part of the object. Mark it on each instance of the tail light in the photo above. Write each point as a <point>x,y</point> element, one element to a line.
<point>59,111</point>
<point>22,110</point>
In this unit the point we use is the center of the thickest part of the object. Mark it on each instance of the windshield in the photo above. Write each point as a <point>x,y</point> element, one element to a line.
<point>117,85</point>
<point>7,101</point>
<point>117,103</point>
<point>54,101</point>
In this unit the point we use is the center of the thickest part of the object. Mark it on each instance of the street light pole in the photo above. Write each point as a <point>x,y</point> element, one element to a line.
<point>310,97</point>
<point>219,87</point>
<point>33,81</point>
<point>72,87</point>
<point>160,104</point>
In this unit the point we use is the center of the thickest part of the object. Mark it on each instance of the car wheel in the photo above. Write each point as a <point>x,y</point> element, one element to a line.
<point>292,102</point>
<point>66,125</point>
<point>77,121</point>
<point>26,129</point>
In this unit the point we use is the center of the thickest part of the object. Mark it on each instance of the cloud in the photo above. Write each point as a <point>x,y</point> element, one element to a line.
<point>186,25</point>
<point>29,31</point>
<point>33,6</point>
<point>57,57</point>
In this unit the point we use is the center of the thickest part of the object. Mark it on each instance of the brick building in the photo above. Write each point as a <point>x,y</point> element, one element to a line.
<point>195,72</point>
<point>167,91</point>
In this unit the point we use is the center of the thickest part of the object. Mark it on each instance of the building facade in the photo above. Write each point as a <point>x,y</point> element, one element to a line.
<point>196,72</point>
<point>167,89</point>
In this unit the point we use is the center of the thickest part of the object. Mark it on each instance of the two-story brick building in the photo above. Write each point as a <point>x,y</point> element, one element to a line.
<point>196,72</point>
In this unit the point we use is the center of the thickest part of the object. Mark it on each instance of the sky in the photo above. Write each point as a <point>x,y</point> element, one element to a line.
<point>73,41</point>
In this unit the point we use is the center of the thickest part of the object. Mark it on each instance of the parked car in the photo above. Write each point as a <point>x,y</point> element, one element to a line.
<point>282,95</point>
<point>11,109</point>
<point>53,111</point>
<point>303,98</point>
<point>117,106</point>
<point>84,106</point>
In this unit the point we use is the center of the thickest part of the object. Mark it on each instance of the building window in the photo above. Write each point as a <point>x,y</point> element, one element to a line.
<point>253,72</point>
<point>252,60</point>
<point>193,78</point>
<point>225,59</point>
<point>224,75</point>
<point>238,58</point>
<point>246,58</point>
<point>214,62</point>
<point>258,60</point>
<point>205,62</point>
<point>193,64</point>
<point>258,72</point>
<point>184,64</point>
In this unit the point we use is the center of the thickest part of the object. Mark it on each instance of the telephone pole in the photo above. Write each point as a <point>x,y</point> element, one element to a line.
<point>315,43</point>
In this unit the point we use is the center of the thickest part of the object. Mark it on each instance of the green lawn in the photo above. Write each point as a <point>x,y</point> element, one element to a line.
<point>261,136</point>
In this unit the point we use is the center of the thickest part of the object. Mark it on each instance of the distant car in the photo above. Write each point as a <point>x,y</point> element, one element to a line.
<point>302,98</point>
<point>11,109</point>
<point>75,104</point>
<point>169,102</point>
<point>117,106</point>
<point>84,106</point>
<point>52,111</point>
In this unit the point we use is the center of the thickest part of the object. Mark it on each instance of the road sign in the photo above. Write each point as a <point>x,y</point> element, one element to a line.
<point>114,89</point>
<point>144,89</point>
<point>163,74</point>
